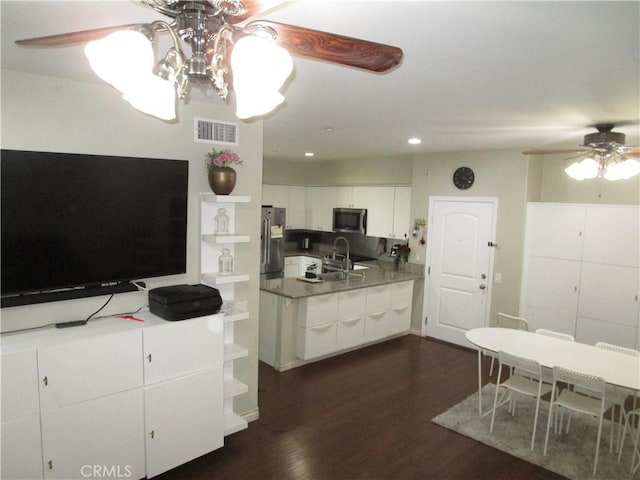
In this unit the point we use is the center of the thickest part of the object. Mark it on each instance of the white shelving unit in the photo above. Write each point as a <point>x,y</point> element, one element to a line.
<point>210,248</point>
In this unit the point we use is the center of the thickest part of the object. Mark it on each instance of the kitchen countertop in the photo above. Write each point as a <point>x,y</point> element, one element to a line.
<point>376,274</point>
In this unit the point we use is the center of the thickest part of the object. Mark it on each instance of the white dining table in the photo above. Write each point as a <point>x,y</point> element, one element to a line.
<point>615,368</point>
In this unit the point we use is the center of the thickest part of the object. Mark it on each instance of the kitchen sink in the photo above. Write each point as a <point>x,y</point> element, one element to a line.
<point>333,276</point>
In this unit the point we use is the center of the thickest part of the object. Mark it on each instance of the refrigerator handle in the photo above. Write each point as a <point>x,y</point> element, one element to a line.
<point>267,237</point>
<point>264,241</point>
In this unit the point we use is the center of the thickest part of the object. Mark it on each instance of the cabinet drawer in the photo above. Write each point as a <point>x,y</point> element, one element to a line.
<point>350,333</point>
<point>351,303</point>
<point>200,346</point>
<point>318,310</point>
<point>19,385</point>
<point>378,299</point>
<point>376,326</point>
<point>292,260</point>
<point>399,320</point>
<point>315,341</point>
<point>401,294</point>
<point>73,372</point>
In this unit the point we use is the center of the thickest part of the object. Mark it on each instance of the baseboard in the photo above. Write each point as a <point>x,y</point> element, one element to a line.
<point>251,415</point>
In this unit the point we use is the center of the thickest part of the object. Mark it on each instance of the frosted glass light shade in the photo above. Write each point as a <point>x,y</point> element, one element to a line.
<point>121,57</point>
<point>260,68</point>
<point>153,95</point>
<point>622,170</point>
<point>587,168</point>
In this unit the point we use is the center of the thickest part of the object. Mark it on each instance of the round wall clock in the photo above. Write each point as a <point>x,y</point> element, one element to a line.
<point>463,178</point>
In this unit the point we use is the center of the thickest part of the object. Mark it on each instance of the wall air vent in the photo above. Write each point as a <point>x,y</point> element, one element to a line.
<point>215,131</point>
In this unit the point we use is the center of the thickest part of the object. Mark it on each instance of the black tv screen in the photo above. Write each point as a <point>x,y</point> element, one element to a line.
<point>72,220</point>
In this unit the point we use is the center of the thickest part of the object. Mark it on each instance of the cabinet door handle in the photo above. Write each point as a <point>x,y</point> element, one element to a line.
<point>152,433</point>
<point>50,464</point>
<point>149,358</point>
<point>45,380</point>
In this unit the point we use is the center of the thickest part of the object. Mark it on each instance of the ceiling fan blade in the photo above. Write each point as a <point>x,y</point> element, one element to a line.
<point>551,152</point>
<point>304,42</point>
<point>633,152</point>
<point>72,38</point>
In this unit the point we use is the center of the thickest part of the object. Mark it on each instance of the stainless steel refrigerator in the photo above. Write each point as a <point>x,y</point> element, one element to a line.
<point>272,238</point>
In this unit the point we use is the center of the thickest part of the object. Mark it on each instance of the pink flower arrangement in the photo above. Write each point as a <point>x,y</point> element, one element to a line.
<point>222,158</point>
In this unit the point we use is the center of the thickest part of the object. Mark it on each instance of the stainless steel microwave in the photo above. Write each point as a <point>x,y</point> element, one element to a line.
<point>350,220</point>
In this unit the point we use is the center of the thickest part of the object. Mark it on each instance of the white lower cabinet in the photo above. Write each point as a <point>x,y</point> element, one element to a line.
<point>316,341</point>
<point>330,323</point>
<point>22,449</point>
<point>183,419</point>
<point>100,437</point>
<point>111,399</point>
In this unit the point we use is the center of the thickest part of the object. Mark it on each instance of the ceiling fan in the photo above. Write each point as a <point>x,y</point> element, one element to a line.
<point>218,32</point>
<point>604,155</point>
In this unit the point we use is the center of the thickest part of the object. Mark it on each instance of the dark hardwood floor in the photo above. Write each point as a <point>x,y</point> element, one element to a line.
<point>362,415</point>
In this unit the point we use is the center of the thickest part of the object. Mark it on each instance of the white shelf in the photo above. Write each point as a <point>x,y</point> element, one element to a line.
<point>213,279</point>
<point>233,388</point>
<point>212,197</point>
<point>233,351</point>
<point>235,315</point>
<point>220,238</point>
<point>233,423</point>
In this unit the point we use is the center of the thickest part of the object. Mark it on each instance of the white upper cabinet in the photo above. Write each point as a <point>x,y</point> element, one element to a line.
<point>296,213</point>
<point>320,204</point>
<point>556,231</point>
<point>401,212</point>
<point>612,236</point>
<point>380,212</point>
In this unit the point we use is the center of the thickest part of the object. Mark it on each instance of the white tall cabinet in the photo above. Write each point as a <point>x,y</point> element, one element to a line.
<point>581,271</point>
<point>211,247</point>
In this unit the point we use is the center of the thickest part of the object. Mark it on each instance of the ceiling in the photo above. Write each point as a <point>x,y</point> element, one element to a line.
<point>475,75</point>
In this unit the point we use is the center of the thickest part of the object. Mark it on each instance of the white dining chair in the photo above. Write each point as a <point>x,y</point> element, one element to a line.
<point>551,333</point>
<point>619,395</point>
<point>594,404</point>
<point>507,321</point>
<point>635,452</point>
<point>547,376</point>
<point>525,378</point>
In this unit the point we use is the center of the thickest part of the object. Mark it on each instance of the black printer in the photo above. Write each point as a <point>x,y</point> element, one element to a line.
<point>179,302</point>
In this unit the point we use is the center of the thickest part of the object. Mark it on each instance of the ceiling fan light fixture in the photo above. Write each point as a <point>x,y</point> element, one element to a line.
<point>587,168</point>
<point>153,95</point>
<point>259,68</point>
<point>121,58</point>
<point>622,170</point>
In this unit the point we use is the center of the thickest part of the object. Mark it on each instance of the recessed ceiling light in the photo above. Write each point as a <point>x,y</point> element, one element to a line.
<point>414,141</point>
<point>309,154</point>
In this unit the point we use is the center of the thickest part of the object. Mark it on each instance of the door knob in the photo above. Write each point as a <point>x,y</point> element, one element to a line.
<point>482,286</point>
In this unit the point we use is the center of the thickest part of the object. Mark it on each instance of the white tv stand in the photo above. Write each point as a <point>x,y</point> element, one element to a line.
<point>113,398</point>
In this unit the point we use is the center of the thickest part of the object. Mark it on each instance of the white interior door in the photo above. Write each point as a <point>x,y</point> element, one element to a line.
<point>459,266</point>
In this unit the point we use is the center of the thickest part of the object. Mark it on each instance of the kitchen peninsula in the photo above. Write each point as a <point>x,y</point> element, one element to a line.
<point>302,321</point>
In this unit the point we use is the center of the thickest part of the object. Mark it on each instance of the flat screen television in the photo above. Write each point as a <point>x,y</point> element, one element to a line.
<point>73,223</point>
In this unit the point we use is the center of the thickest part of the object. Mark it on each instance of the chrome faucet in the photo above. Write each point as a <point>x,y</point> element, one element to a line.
<point>335,242</point>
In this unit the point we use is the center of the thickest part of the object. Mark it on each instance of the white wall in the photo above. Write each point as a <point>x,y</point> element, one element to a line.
<point>374,171</point>
<point>48,114</point>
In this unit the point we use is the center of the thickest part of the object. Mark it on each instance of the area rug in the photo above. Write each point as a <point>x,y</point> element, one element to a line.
<point>568,454</point>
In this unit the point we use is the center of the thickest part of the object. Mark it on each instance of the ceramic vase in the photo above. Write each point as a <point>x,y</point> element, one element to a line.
<point>222,180</point>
